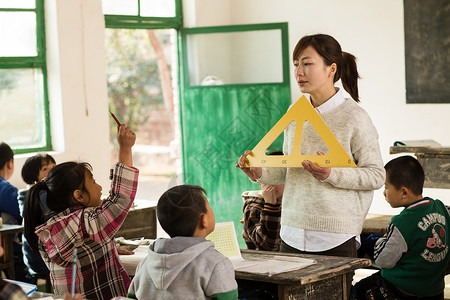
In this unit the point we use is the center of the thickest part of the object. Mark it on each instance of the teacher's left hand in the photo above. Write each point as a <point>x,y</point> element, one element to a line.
<point>316,171</point>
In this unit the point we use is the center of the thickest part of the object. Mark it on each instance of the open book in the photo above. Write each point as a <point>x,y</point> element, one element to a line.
<point>225,241</point>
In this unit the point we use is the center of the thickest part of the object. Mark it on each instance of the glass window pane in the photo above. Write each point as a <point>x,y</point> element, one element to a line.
<point>17,3</point>
<point>21,97</point>
<point>141,66</point>
<point>158,8</point>
<point>18,34</point>
<point>120,7</point>
<point>235,57</point>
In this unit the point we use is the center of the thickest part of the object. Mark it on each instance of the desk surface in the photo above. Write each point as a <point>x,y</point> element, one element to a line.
<point>376,224</point>
<point>326,267</point>
<point>8,228</point>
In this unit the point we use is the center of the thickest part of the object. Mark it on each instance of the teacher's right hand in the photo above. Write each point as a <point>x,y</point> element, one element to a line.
<point>252,172</point>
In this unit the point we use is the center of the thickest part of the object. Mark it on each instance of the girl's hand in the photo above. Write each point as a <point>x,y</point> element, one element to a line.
<point>75,297</point>
<point>316,171</point>
<point>124,252</point>
<point>268,192</point>
<point>252,172</point>
<point>125,136</point>
<point>126,139</point>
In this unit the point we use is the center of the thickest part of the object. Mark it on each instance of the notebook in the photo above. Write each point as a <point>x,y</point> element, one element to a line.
<point>28,288</point>
<point>225,241</point>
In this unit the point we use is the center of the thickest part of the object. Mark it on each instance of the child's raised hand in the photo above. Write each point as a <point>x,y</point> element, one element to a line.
<point>126,139</point>
<point>252,172</point>
<point>125,136</point>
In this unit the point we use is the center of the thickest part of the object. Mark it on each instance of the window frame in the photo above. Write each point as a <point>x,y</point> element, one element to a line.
<point>140,22</point>
<point>33,62</point>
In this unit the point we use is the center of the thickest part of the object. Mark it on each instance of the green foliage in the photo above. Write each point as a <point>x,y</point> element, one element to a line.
<point>134,86</point>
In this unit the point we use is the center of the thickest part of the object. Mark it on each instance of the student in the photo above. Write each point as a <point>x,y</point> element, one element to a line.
<point>324,208</point>
<point>9,207</point>
<point>414,252</point>
<point>34,170</point>
<point>65,212</point>
<point>262,213</point>
<point>186,266</point>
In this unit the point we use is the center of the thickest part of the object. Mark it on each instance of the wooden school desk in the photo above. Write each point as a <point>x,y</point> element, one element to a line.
<point>435,162</point>
<point>140,221</point>
<point>326,279</point>
<point>8,232</point>
<point>376,224</point>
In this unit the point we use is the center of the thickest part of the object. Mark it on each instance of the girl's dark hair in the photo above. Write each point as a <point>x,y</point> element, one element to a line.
<point>331,52</point>
<point>52,196</point>
<point>32,166</point>
<point>6,154</point>
<point>179,209</point>
<point>406,171</point>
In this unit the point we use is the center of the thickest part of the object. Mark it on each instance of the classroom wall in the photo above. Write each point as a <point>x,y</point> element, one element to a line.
<point>371,30</point>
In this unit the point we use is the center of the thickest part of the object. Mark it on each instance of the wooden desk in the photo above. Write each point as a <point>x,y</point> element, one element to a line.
<point>324,280</point>
<point>376,224</point>
<point>7,261</point>
<point>140,221</point>
<point>435,162</point>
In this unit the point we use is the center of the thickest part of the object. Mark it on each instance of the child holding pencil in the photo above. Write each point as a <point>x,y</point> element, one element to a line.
<point>65,215</point>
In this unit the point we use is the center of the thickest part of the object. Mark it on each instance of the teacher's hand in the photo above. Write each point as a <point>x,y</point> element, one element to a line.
<point>252,172</point>
<point>316,171</point>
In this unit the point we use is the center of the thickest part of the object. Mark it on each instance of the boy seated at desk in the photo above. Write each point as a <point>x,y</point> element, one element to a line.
<point>262,214</point>
<point>185,266</point>
<point>414,252</point>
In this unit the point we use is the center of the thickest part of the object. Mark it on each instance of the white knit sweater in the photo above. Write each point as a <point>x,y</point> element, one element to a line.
<point>339,203</point>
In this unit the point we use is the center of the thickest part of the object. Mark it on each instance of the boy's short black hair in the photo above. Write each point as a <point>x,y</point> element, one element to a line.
<point>406,171</point>
<point>179,209</point>
<point>6,154</point>
<point>32,166</point>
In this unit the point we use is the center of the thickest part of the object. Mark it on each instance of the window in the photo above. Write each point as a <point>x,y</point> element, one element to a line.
<point>24,121</point>
<point>142,61</point>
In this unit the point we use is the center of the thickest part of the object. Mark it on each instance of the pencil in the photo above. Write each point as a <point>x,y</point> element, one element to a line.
<point>115,119</point>
<point>74,271</point>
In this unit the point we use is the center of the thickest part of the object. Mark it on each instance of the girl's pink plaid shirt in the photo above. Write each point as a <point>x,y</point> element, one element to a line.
<point>91,230</point>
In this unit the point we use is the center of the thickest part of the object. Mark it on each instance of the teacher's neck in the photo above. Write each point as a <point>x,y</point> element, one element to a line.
<point>321,96</point>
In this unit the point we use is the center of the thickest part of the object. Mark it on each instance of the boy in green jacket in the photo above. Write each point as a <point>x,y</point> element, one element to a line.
<point>414,252</point>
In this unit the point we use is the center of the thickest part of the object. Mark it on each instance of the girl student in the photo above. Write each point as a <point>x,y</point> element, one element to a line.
<point>324,208</point>
<point>65,212</point>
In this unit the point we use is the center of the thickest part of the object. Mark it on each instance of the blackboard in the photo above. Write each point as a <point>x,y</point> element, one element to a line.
<point>427,51</point>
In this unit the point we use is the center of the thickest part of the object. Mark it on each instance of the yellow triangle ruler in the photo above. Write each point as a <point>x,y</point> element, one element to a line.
<point>300,112</point>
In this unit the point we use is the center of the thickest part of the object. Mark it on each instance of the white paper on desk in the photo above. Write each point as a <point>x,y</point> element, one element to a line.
<point>130,262</point>
<point>278,264</point>
<point>225,241</point>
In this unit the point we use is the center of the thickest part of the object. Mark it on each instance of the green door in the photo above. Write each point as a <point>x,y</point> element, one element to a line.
<point>234,88</point>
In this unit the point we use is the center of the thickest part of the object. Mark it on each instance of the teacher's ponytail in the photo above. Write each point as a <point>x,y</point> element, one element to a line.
<point>349,75</point>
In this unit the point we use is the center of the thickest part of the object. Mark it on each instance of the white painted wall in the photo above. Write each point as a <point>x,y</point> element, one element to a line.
<point>372,30</point>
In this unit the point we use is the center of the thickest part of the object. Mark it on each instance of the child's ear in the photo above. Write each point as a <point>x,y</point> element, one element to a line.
<point>405,192</point>
<point>203,222</point>
<point>78,196</point>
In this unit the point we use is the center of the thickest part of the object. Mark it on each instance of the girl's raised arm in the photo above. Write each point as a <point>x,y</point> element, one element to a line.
<point>126,139</point>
